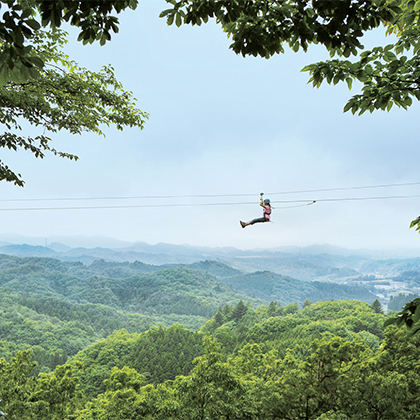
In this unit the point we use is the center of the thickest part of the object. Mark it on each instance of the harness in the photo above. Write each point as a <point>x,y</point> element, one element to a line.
<point>267,212</point>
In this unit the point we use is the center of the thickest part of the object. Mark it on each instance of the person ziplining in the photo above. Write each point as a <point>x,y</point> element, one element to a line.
<point>266,205</point>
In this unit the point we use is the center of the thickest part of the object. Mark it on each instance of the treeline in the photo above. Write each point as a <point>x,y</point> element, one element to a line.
<point>157,352</point>
<point>340,379</point>
<point>59,308</point>
<point>396,303</point>
<point>275,287</point>
<point>137,287</point>
<point>57,329</point>
<point>330,360</point>
<point>123,286</point>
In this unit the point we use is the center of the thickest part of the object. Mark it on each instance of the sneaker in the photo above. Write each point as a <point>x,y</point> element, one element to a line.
<point>242,223</point>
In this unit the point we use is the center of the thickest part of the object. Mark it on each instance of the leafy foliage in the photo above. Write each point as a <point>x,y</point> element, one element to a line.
<point>57,329</point>
<point>159,354</point>
<point>23,20</point>
<point>409,316</point>
<point>280,328</point>
<point>332,372</point>
<point>264,27</point>
<point>16,385</point>
<point>261,27</point>
<point>396,303</point>
<point>377,307</point>
<point>58,309</point>
<point>338,376</point>
<point>416,224</point>
<point>387,77</point>
<point>63,96</point>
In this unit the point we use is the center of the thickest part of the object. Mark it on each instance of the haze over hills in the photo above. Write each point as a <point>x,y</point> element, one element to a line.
<point>374,270</point>
<point>43,298</point>
<point>305,263</point>
<point>81,306</point>
<point>63,243</point>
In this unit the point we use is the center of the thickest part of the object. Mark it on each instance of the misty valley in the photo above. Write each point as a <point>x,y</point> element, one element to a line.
<point>179,332</point>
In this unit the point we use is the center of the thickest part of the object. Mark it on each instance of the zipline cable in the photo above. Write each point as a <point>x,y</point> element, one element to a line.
<point>348,188</point>
<point>349,199</point>
<point>158,197</point>
<point>307,202</point>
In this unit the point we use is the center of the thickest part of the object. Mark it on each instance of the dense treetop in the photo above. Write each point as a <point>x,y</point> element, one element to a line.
<point>317,363</point>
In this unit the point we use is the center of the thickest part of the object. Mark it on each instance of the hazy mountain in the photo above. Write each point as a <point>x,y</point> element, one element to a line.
<point>274,287</point>
<point>391,268</point>
<point>134,287</point>
<point>313,263</point>
<point>28,251</point>
<point>70,241</point>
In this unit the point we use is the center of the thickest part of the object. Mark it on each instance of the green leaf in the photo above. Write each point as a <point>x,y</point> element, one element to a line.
<point>4,74</point>
<point>416,315</point>
<point>178,20</point>
<point>165,13</point>
<point>410,5</point>
<point>410,19</point>
<point>415,222</point>
<point>26,13</point>
<point>348,107</point>
<point>309,68</point>
<point>34,24</point>
<point>408,101</point>
<point>37,61</point>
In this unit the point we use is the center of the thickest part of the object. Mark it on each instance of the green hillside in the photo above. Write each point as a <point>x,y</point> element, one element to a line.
<point>167,291</point>
<point>59,308</point>
<point>161,354</point>
<point>302,268</point>
<point>391,268</point>
<point>56,328</point>
<point>329,361</point>
<point>275,287</point>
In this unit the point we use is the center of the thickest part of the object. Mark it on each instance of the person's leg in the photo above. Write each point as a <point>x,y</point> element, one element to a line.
<point>259,220</point>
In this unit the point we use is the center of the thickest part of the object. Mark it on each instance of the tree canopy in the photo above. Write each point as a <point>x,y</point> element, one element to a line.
<point>317,363</point>
<point>42,86</point>
<point>259,28</point>
<point>19,59</point>
<point>264,28</point>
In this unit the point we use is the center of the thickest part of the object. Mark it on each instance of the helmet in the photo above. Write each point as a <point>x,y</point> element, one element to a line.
<point>266,201</point>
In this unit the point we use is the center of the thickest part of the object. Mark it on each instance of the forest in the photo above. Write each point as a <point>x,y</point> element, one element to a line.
<point>58,308</point>
<point>132,341</point>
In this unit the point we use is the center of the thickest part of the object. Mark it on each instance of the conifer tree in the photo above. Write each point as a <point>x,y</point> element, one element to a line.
<point>239,311</point>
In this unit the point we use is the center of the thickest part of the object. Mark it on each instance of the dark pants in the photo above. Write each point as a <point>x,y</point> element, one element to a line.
<point>259,220</point>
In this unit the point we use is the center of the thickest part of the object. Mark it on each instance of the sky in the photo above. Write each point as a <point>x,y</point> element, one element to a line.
<point>228,128</point>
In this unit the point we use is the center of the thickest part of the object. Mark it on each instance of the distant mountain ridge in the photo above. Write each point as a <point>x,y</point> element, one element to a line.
<point>312,263</point>
<point>170,288</point>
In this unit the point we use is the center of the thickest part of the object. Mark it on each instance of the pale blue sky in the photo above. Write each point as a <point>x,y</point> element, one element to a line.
<point>223,124</point>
